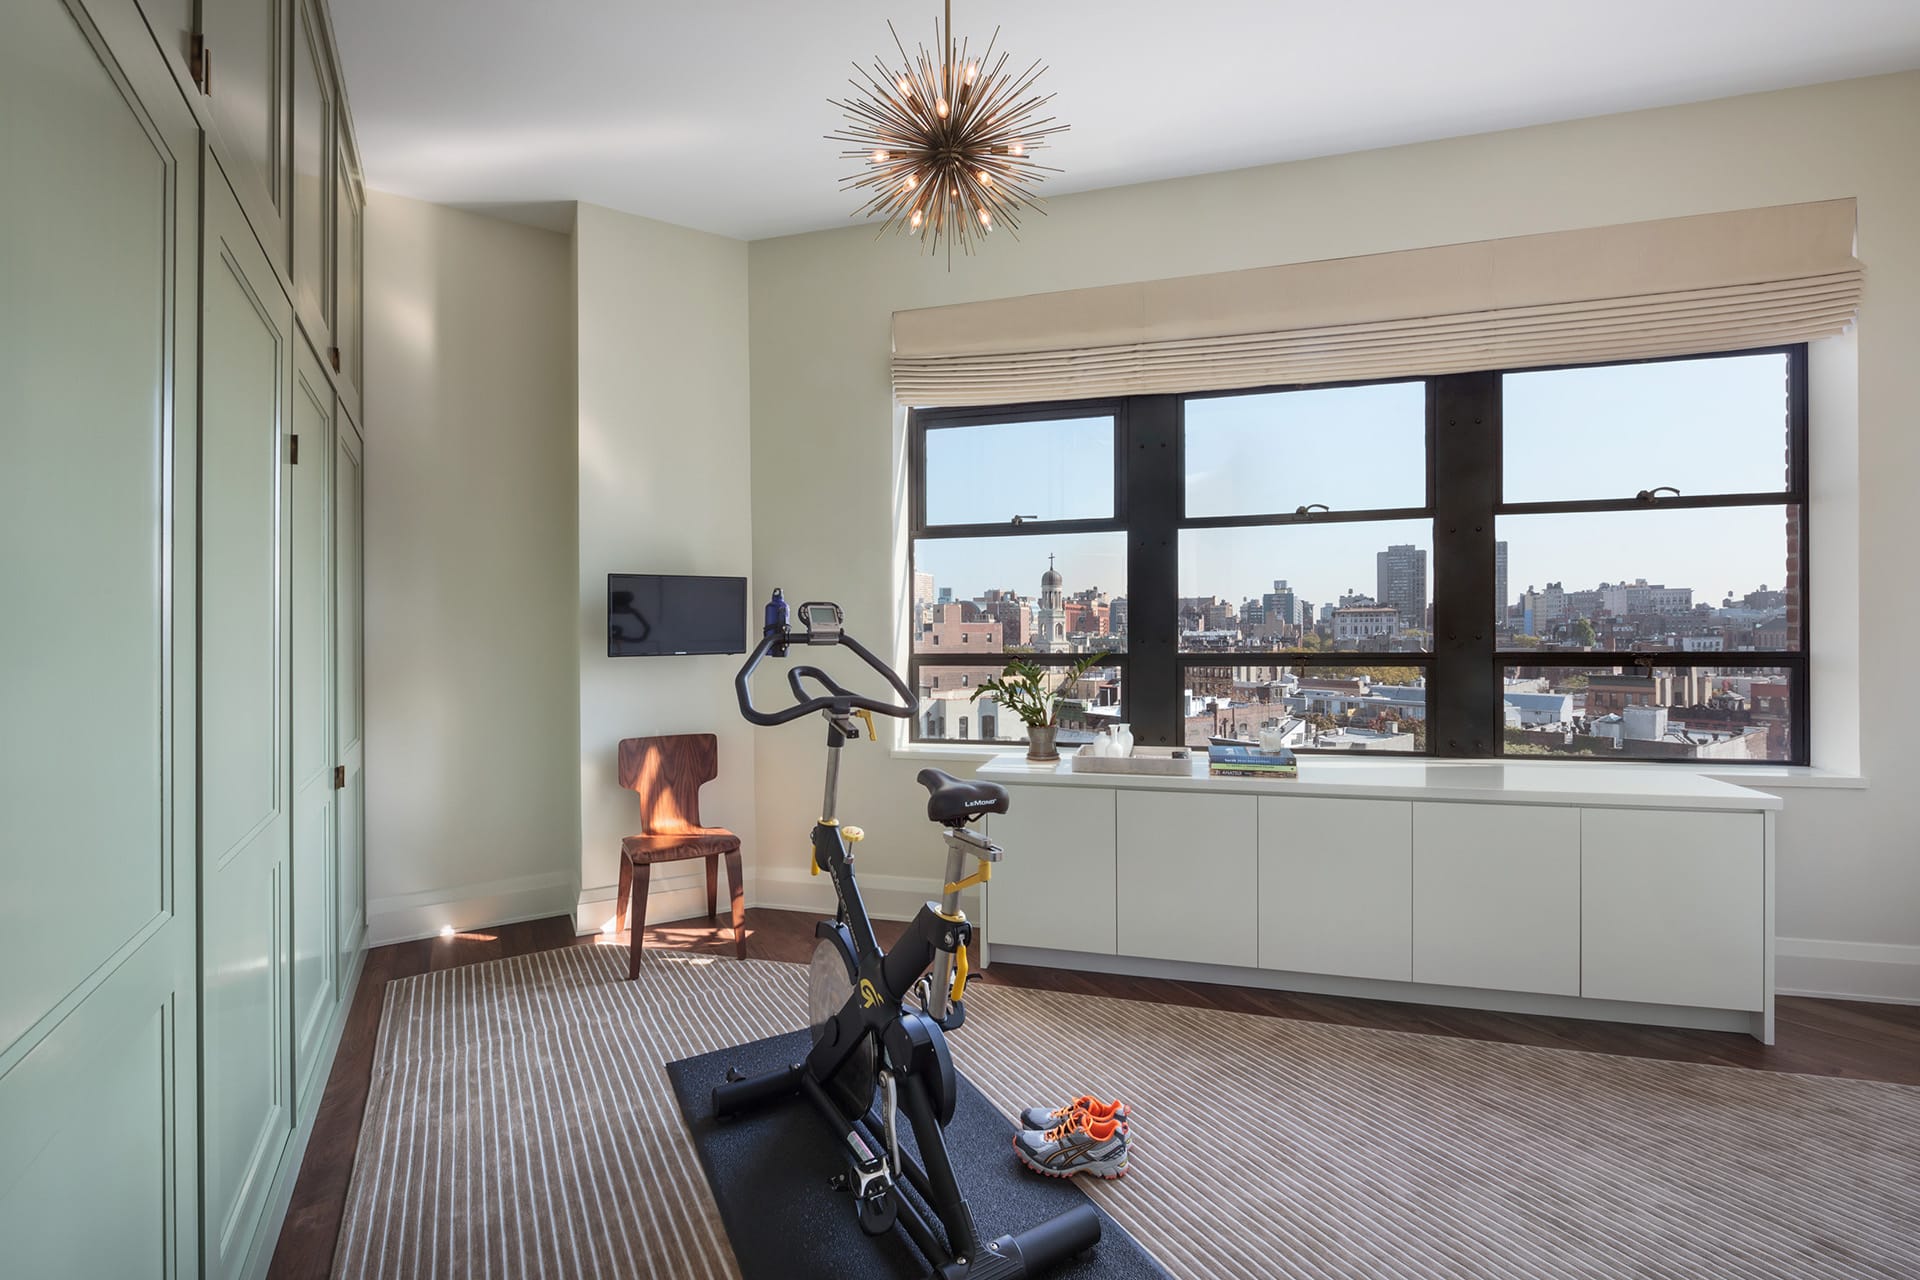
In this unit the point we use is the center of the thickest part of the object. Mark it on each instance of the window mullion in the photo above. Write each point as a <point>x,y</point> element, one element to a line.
<point>1463,701</point>
<point>1153,476</point>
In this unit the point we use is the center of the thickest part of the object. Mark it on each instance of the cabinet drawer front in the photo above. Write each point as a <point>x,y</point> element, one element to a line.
<point>1496,897</point>
<point>1336,886</point>
<point>1055,887</point>
<point>1189,877</point>
<point>1673,907</point>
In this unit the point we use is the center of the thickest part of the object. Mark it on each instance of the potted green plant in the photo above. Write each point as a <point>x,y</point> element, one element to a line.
<point>1023,688</point>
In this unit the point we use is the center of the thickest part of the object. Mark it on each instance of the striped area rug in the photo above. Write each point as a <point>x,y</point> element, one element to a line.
<point>520,1125</point>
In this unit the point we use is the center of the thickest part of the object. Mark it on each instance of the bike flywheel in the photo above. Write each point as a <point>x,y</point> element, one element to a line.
<point>830,981</point>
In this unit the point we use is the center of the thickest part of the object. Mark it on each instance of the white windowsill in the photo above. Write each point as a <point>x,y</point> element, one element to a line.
<point>1765,777</point>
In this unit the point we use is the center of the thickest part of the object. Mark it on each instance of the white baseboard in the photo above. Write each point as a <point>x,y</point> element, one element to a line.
<point>1880,972</point>
<point>406,916</point>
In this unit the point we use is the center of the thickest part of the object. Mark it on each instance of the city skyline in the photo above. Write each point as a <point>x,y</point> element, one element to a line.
<point>1700,425</point>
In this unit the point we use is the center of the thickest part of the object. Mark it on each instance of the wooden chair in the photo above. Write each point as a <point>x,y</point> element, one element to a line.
<point>668,773</point>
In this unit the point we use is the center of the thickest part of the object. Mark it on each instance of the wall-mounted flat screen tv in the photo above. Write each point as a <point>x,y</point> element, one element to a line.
<point>650,615</point>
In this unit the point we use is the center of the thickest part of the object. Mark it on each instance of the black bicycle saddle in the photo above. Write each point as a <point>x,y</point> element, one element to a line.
<point>952,800</point>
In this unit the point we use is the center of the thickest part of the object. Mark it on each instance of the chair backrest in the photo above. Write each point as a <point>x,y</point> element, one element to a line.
<point>668,773</point>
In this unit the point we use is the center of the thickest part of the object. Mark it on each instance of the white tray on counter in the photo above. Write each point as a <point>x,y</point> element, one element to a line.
<point>1144,760</point>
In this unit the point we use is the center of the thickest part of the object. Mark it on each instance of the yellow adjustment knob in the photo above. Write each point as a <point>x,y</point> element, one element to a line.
<point>866,715</point>
<point>852,835</point>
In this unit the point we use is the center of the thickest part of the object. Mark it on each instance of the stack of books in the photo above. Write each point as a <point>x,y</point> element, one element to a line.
<point>1251,762</point>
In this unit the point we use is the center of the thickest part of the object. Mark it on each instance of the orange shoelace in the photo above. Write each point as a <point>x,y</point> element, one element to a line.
<point>1098,1130</point>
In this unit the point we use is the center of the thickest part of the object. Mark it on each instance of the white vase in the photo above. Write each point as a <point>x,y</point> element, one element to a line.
<point>1123,740</point>
<point>1102,745</point>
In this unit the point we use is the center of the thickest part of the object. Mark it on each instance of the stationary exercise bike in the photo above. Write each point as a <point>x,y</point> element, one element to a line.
<point>874,1053</point>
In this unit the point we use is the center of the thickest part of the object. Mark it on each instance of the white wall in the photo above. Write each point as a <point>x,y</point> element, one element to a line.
<point>824,431</point>
<point>663,488</point>
<point>471,696</point>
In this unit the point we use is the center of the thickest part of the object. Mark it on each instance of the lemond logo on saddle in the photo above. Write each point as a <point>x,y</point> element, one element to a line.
<point>975,804</point>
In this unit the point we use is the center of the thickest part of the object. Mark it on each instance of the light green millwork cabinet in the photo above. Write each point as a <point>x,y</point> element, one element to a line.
<point>99,235</point>
<point>181,783</point>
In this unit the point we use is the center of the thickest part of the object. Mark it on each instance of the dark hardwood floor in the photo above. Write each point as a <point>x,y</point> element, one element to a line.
<point>1819,1037</point>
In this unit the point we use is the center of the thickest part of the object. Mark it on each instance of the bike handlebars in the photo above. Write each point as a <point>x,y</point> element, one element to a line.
<point>837,700</point>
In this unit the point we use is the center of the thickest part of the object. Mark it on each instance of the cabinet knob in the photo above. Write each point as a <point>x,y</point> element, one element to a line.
<point>333,355</point>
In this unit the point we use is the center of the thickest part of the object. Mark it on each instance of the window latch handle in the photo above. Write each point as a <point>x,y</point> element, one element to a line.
<point>1310,508</point>
<point>1650,496</point>
<point>1020,520</point>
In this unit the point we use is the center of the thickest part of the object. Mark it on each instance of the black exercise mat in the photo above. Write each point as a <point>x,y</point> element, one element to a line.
<point>769,1169</point>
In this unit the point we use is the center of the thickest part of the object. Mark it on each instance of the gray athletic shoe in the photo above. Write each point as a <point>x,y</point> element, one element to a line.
<point>1048,1117</point>
<point>1079,1145</point>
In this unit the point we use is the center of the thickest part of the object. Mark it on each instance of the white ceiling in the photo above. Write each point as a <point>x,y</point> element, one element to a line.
<point>709,113</point>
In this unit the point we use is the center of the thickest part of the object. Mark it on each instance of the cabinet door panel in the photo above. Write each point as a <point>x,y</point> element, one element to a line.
<point>99,236</point>
<point>1055,887</point>
<point>1336,886</point>
<point>1189,877</point>
<point>1673,907</point>
<point>310,643</point>
<point>313,168</point>
<point>349,683</point>
<point>245,379</point>
<point>1496,897</point>
<point>349,253</point>
<point>87,212</point>
<point>245,46</point>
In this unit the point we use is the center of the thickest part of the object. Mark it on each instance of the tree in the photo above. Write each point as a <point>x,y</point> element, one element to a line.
<point>1583,632</point>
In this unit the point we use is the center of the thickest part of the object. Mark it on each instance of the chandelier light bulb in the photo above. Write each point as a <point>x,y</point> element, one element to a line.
<point>986,219</point>
<point>940,107</point>
<point>1018,149</point>
<point>986,179</point>
<point>912,181</point>
<point>879,157</point>
<point>973,69</point>
<point>906,86</point>
<point>916,219</point>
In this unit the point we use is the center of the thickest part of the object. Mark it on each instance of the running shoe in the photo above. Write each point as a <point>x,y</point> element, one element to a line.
<point>1043,1118</point>
<point>1076,1145</point>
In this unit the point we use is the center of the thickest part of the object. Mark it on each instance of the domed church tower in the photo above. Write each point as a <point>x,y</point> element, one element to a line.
<point>1050,616</point>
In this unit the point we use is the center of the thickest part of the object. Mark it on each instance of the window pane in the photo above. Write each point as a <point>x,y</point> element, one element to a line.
<point>1352,448</point>
<point>1704,580</point>
<point>1717,425</point>
<point>949,712</point>
<point>1309,707</point>
<point>1359,587</point>
<point>1059,470</point>
<point>1045,594</point>
<point>1649,713</point>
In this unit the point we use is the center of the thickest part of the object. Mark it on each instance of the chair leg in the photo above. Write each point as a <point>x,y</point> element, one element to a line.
<point>620,898</point>
<point>739,900</point>
<point>642,872</point>
<point>713,885</point>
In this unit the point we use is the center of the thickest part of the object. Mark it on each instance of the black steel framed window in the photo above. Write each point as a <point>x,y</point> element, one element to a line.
<point>1478,546</point>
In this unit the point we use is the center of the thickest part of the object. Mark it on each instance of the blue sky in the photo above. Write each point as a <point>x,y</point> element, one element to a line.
<point>1702,426</point>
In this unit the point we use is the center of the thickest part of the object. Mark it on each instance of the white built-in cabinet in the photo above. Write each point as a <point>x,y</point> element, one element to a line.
<point>1604,908</point>
<point>1668,907</point>
<point>1336,886</point>
<point>180,241</point>
<point>1496,892</point>
<point>1188,877</point>
<point>1064,899</point>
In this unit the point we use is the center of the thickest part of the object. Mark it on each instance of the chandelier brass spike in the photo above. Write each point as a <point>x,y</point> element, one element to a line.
<point>945,145</point>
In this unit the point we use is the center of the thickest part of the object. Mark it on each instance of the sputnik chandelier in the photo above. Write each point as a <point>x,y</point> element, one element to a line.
<point>946,144</point>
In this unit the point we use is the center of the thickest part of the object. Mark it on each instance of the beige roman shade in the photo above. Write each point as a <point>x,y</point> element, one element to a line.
<point>1713,282</point>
